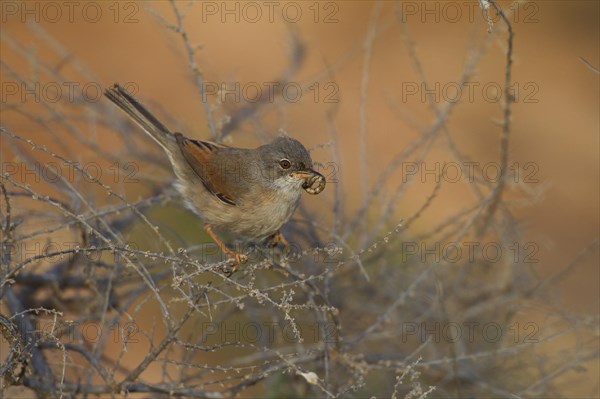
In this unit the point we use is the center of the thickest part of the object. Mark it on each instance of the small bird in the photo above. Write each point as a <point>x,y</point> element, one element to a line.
<point>248,192</point>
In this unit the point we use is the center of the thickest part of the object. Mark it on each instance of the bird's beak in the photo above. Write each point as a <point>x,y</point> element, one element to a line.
<point>314,182</point>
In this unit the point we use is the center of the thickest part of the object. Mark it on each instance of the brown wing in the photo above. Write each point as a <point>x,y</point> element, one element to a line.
<point>201,156</point>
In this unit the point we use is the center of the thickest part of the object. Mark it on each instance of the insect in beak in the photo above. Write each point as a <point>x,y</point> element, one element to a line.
<point>314,182</point>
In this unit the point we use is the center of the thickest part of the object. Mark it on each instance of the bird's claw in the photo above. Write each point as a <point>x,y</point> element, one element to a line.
<point>235,258</point>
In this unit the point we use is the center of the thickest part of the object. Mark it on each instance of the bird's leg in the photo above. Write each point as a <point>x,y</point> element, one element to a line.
<point>236,257</point>
<point>278,237</point>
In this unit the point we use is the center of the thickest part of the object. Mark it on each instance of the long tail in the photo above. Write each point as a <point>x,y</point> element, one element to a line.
<point>140,115</point>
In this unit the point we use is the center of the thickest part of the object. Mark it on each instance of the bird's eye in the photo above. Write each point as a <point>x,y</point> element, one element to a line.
<point>285,163</point>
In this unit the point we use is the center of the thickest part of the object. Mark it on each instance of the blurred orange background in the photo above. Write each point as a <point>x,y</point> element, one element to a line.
<point>555,117</point>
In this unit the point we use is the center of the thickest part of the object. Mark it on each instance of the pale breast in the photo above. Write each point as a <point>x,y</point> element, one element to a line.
<point>261,212</point>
